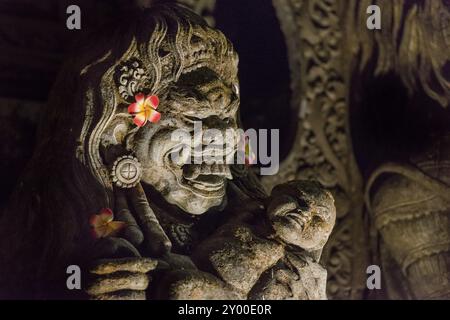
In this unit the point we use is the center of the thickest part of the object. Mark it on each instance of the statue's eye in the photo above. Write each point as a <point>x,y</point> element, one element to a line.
<point>316,221</point>
<point>282,205</point>
<point>196,40</point>
<point>303,205</point>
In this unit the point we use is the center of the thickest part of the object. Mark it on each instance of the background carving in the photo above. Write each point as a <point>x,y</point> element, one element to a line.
<point>330,50</point>
<point>323,149</point>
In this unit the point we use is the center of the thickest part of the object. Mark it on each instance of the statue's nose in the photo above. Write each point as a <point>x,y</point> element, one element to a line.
<point>217,94</point>
<point>217,124</point>
<point>218,133</point>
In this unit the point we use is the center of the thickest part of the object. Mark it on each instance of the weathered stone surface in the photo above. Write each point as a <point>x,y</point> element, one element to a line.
<point>304,279</point>
<point>121,295</point>
<point>239,257</point>
<point>117,282</point>
<point>188,285</point>
<point>141,265</point>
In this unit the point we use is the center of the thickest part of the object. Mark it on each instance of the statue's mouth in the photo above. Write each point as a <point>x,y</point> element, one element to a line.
<point>290,214</point>
<point>206,179</point>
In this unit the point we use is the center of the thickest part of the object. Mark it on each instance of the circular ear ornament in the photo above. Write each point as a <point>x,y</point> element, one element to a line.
<point>126,172</point>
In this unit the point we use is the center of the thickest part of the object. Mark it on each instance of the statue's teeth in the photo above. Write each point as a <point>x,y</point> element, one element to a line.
<point>206,169</point>
<point>216,168</point>
<point>192,171</point>
<point>228,173</point>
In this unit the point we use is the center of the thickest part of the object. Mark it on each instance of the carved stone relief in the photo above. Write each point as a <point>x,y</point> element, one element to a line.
<point>327,41</point>
<point>323,149</point>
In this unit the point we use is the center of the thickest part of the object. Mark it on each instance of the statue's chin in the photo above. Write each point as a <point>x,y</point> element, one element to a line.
<point>192,203</point>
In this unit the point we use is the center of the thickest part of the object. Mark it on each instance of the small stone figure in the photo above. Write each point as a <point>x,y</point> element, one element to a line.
<point>274,256</point>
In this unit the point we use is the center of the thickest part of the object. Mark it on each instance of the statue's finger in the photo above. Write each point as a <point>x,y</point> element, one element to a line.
<point>118,281</point>
<point>155,239</point>
<point>121,295</point>
<point>285,276</point>
<point>131,232</point>
<point>296,262</point>
<point>136,265</point>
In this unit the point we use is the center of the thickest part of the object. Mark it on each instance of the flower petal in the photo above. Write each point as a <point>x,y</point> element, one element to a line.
<point>106,211</point>
<point>140,119</point>
<point>94,220</point>
<point>153,116</point>
<point>250,159</point>
<point>106,215</point>
<point>135,108</point>
<point>114,228</point>
<point>102,231</point>
<point>154,101</point>
<point>140,97</point>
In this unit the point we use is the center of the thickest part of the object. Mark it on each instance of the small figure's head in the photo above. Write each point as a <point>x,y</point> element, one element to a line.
<point>302,213</point>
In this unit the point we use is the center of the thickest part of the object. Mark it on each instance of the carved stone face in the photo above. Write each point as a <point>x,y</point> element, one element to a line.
<point>304,219</point>
<point>192,68</point>
<point>200,96</point>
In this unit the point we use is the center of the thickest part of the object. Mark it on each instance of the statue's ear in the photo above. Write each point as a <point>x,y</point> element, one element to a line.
<point>114,138</point>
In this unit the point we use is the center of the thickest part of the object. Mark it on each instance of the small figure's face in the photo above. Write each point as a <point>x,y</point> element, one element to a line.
<point>199,97</point>
<point>302,223</point>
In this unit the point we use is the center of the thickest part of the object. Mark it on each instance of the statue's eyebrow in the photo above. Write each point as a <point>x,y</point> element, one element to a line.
<point>199,76</point>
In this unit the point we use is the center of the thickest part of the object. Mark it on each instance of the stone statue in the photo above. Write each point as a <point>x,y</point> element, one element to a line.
<point>164,220</point>
<point>276,256</point>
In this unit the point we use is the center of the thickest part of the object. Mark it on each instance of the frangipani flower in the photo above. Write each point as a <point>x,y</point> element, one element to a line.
<point>102,224</point>
<point>144,109</point>
<point>250,157</point>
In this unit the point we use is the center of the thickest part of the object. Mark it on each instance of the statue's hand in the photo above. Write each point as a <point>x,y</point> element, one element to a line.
<point>311,278</point>
<point>119,278</point>
<point>296,278</point>
<point>154,240</point>
<point>119,271</point>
